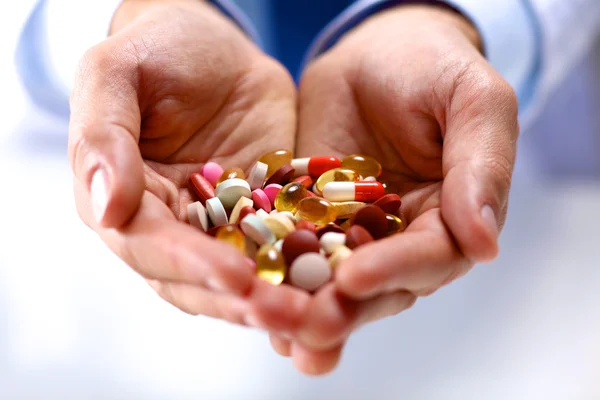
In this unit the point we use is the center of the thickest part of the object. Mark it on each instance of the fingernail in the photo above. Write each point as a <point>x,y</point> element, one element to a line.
<point>490,219</point>
<point>99,190</point>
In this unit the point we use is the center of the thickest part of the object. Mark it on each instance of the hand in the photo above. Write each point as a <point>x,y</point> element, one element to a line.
<point>409,87</point>
<point>176,85</point>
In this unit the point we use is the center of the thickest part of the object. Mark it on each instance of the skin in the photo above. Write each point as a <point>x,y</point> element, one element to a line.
<point>177,85</point>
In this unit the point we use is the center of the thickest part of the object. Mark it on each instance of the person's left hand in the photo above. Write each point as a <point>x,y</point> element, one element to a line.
<point>409,87</point>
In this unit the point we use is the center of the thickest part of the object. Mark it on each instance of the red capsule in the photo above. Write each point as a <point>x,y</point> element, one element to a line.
<point>201,187</point>
<point>315,166</point>
<point>366,192</point>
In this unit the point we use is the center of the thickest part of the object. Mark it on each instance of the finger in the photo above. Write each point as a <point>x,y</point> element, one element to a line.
<point>479,155</point>
<point>418,260</point>
<point>332,317</point>
<point>104,131</point>
<point>315,363</point>
<point>158,246</point>
<point>282,346</point>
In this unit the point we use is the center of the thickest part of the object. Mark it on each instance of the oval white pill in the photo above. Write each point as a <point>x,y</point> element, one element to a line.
<point>289,215</point>
<point>262,213</point>
<point>216,211</point>
<point>254,227</point>
<point>310,271</point>
<point>198,216</point>
<point>332,240</point>
<point>230,191</point>
<point>257,176</point>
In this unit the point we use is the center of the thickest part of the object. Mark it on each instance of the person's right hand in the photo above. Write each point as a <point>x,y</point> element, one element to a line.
<point>174,86</point>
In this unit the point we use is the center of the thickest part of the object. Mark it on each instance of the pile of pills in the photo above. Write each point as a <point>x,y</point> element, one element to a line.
<point>295,219</point>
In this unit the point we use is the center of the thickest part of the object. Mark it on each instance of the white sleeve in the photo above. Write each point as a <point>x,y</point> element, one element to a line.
<point>52,42</point>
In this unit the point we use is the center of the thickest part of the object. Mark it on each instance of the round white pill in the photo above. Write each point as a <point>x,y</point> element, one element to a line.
<point>255,228</point>
<point>197,215</point>
<point>310,271</point>
<point>289,215</point>
<point>370,179</point>
<point>332,240</point>
<point>216,211</point>
<point>230,191</point>
<point>257,176</point>
<point>262,213</point>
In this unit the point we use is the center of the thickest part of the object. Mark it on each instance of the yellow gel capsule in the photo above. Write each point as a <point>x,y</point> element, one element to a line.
<point>275,160</point>
<point>232,235</point>
<point>270,264</point>
<point>395,224</point>
<point>290,196</point>
<point>336,175</point>
<point>232,173</point>
<point>316,210</point>
<point>346,225</point>
<point>364,165</point>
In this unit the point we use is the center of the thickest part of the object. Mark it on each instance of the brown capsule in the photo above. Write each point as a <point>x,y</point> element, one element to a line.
<point>298,243</point>
<point>390,203</point>
<point>307,225</point>
<point>282,176</point>
<point>321,230</point>
<point>373,219</point>
<point>356,236</point>
<point>306,180</point>
<point>201,187</point>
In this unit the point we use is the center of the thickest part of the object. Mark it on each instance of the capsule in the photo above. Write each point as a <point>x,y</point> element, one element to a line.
<point>318,211</point>
<point>232,173</point>
<point>290,196</point>
<point>395,224</point>
<point>366,192</point>
<point>315,166</point>
<point>270,264</point>
<point>336,175</point>
<point>364,165</point>
<point>275,160</point>
<point>233,235</point>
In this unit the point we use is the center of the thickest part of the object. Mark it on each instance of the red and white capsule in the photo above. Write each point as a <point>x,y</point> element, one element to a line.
<point>366,192</point>
<point>314,166</point>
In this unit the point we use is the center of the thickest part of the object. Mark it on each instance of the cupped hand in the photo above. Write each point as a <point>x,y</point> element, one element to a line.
<point>411,88</point>
<point>174,86</point>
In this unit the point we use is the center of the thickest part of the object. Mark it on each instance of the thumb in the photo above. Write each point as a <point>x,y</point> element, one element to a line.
<point>479,156</point>
<point>104,132</point>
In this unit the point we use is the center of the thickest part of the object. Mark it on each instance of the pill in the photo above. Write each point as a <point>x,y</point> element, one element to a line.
<point>258,175</point>
<point>278,227</point>
<point>390,203</point>
<point>243,202</point>
<point>346,225</point>
<point>331,241</point>
<point>201,187</point>
<point>262,214</point>
<point>306,180</point>
<point>245,211</point>
<point>289,216</point>
<point>251,248</point>
<point>230,191</point>
<point>261,200</point>
<point>282,175</point>
<point>310,271</point>
<point>395,224</point>
<point>270,265</point>
<point>273,213</point>
<point>369,179</point>
<point>336,175</point>
<point>216,212</point>
<point>254,227</point>
<point>331,227</point>
<point>316,190</point>
<point>212,172</point>
<point>275,160</point>
<point>373,219</point>
<point>290,226</point>
<point>314,166</point>
<point>345,209</point>
<point>290,196</point>
<point>231,173</point>
<point>307,225</point>
<point>353,191</point>
<point>299,242</point>
<point>364,165</point>
<point>319,211</point>
<point>278,245</point>
<point>311,194</point>
<point>232,235</point>
<point>340,254</point>
<point>357,236</point>
<point>271,191</point>
<point>198,216</point>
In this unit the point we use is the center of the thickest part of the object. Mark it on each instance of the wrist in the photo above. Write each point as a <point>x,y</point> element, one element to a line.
<point>129,10</point>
